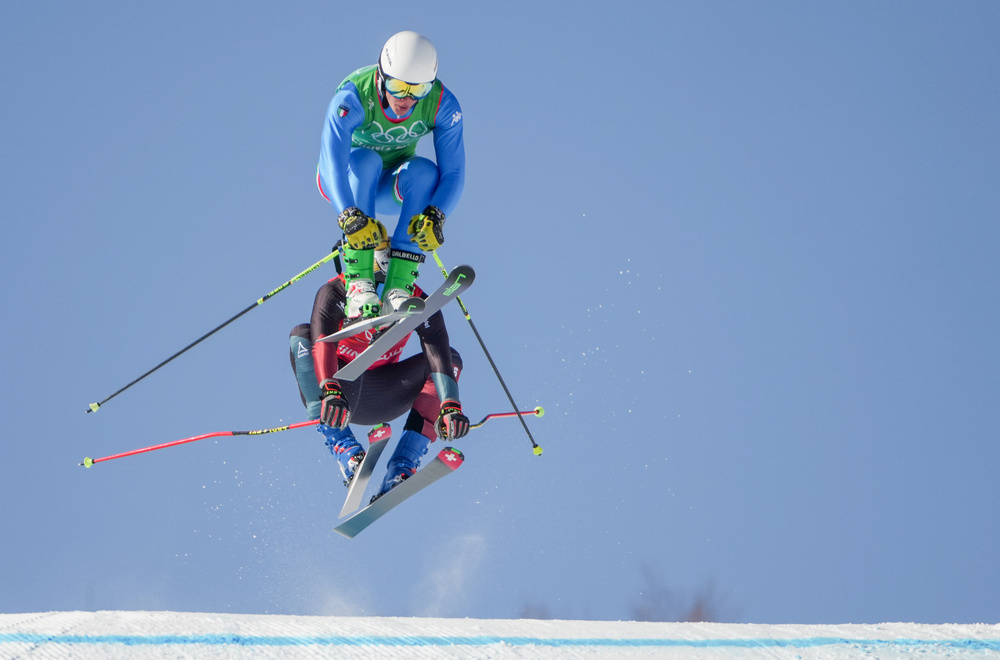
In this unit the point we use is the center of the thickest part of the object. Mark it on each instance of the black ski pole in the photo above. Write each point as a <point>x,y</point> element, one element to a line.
<point>510,397</point>
<point>94,407</point>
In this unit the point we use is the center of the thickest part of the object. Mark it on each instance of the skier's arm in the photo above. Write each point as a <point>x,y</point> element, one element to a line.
<point>449,149</point>
<point>344,114</point>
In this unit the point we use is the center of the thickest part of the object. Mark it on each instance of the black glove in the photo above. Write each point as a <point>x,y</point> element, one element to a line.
<point>334,410</point>
<point>451,423</point>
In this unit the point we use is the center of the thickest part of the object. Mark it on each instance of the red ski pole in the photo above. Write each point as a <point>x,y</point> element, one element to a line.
<point>537,412</point>
<point>88,462</point>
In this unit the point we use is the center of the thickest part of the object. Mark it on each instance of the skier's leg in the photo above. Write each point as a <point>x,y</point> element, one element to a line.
<point>406,191</point>
<point>405,459</point>
<point>409,189</point>
<point>387,392</point>
<point>342,443</point>
<point>359,278</point>
<point>364,172</point>
<point>345,448</point>
<point>300,352</point>
<point>418,432</point>
<point>401,276</point>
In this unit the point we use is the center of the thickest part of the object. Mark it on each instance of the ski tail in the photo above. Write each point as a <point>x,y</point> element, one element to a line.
<point>446,462</point>
<point>378,439</point>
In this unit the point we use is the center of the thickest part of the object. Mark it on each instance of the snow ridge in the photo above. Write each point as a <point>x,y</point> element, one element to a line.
<point>171,634</point>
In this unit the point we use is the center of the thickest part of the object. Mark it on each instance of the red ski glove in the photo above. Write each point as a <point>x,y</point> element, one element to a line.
<point>334,410</point>
<point>451,423</point>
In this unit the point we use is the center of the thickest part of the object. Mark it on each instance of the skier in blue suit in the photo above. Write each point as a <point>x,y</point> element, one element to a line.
<point>368,165</point>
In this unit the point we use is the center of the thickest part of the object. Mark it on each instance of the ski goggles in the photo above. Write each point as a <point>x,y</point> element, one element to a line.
<point>402,89</point>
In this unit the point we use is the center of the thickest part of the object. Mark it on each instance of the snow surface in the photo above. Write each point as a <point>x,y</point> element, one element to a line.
<point>187,635</point>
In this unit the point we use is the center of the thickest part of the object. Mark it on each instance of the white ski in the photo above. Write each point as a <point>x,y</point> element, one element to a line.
<point>447,461</point>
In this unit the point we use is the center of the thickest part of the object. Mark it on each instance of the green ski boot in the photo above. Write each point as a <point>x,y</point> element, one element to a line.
<point>359,280</point>
<point>404,267</point>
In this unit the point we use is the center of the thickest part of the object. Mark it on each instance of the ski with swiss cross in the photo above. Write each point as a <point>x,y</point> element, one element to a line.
<point>447,461</point>
<point>460,279</point>
<point>412,305</point>
<point>378,438</point>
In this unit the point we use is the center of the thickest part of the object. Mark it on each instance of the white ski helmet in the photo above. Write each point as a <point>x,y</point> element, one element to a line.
<point>410,57</point>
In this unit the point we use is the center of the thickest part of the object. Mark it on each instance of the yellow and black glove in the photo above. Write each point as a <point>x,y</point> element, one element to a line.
<point>362,232</point>
<point>427,229</point>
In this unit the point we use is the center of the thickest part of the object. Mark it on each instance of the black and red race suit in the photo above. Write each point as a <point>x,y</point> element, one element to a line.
<point>391,386</point>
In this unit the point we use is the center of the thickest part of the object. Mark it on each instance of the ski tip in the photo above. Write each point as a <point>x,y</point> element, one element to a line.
<point>451,457</point>
<point>93,407</point>
<point>379,432</point>
<point>412,305</point>
<point>462,274</point>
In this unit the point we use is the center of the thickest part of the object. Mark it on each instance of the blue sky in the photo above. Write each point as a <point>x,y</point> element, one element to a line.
<point>744,255</point>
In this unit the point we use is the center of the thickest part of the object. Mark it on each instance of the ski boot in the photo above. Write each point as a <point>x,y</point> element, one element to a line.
<point>404,461</point>
<point>345,448</point>
<point>400,278</point>
<point>359,280</point>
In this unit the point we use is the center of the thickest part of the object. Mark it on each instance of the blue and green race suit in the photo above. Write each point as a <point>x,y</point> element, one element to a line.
<point>368,154</point>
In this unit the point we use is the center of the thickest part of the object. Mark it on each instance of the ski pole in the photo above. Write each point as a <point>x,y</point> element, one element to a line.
<point>536,447</point>
<point>88,462</point>
<point>537,412</point>
<point>95,406</point>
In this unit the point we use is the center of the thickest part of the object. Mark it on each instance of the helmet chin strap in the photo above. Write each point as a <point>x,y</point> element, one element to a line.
<point>382,94</point>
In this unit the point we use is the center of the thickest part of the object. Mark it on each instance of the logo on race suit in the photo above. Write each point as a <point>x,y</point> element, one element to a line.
<point>349,353</point>
<point>400,135</point>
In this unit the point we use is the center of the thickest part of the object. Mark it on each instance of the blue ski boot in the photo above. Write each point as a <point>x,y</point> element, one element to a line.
<point>345,448</point>
<point>405,460</point>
